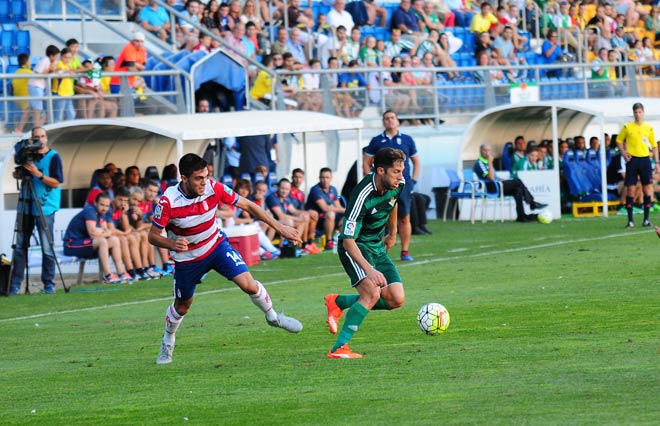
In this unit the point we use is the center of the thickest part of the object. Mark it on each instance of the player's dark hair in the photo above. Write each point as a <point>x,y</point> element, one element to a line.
<point>122,191</point>
<point>386,157</point>
<point>23,59</point>
<point>279,182</point>
<point>638,105</point>
<point>131,168</point>
<point>190,163</point>
<point>325,169</point>
<point>52,50</point>
<point>297,170</point>
<point>389,111</point>
<point>101,195</point>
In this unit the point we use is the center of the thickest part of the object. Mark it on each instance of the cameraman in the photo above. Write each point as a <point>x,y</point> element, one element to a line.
<point>46,175</point>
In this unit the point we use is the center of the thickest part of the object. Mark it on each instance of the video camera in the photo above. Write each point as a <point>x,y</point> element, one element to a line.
<point>27,150</point>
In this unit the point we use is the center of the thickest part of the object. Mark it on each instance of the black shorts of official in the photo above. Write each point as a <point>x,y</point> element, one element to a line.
<point>638,166</point>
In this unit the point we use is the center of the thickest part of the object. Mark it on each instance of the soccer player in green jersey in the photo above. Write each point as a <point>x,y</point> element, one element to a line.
<point>363,251</point>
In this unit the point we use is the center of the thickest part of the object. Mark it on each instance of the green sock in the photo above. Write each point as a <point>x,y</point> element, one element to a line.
<point>381,305</point>
<point>354,318</point>
<point>346,300</point>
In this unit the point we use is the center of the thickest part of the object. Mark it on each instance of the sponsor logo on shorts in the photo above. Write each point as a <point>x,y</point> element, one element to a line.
<point>349,228</point>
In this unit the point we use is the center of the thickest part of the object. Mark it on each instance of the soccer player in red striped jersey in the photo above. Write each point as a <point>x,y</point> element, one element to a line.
<point>187,212</point>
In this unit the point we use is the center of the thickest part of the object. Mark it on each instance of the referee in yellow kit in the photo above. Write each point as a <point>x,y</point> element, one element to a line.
<point>636,142</point>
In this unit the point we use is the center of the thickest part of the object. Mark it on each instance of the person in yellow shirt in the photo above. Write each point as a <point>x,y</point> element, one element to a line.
<point>482,22</point>
<point>20,88</point>
<point>262,88</point>
<point>636,142</point>
<point>64,105</point>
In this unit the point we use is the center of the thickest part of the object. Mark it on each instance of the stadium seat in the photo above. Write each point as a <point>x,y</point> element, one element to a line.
<point>460,189</point>
<point>227,180</point>
<point>18,12</point>
<point>21,42</point>
<point>4,10</point>
<point>507,156</point>
<point>6,43</point>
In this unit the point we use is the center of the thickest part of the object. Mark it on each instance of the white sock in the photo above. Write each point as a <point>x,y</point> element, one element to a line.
<point>265,242</point>
<point>172,322</point>
<point>263,302</point>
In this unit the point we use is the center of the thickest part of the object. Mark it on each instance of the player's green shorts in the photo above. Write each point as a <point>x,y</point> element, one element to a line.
<point>376,256</point>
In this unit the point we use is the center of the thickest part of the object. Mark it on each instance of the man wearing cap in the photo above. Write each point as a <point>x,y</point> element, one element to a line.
<point>132,58</point>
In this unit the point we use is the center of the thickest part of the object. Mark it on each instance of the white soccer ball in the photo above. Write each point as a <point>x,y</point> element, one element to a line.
<point>433,319</point>
<point>545,217</point>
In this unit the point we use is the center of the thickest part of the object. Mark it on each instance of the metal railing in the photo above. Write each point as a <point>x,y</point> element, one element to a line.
<point>476,91</point>
<point>63,10</point>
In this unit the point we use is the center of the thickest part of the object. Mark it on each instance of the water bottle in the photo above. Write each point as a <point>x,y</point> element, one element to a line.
<point>335,242</point>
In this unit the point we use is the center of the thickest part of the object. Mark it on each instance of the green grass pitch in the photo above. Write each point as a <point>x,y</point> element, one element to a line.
<point>550,324</point>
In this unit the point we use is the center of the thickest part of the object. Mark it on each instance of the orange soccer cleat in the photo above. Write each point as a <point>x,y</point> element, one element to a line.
<point>334,312</point>
<point>343,352</point>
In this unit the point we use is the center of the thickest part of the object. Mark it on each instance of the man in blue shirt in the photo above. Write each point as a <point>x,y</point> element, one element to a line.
<point>405,19</point>
<point>88,236</point>
<point>551,52</point>
<point>324,199</point>
<point>46,178</point>
<point>392,138</point>
<point>155,19</point>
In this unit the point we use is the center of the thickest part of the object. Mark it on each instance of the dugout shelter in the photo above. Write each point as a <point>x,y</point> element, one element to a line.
<point>552,120</point>
<point>158,140</point>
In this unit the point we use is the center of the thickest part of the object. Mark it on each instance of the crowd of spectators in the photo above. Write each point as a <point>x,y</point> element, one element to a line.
<point>122,204</point>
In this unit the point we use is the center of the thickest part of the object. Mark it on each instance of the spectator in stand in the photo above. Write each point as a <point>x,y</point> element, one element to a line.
<point>223,20</point>
<point>396,46</point>
<point>333,83</point>
<point>505,49</point>
<point>484,60</point>
<point>262,89</point>
<point>255,151</point>
<point>425,22</point>
<point>65,88</point>
<point>619,42</point>
<point>109,104</point>
<point>103,185</point>
<point>251,14</point>
<point>297,17</point>
<point>204,44</point>
<point>209,16</point>
<point>338,16</point>
<point>348,103</point>
<point>462,11</point>
<point>551,52</point>
<point>485,46</point>
<point>190,34</point>
<point>564,24</point>
<point>20,88</point>
<point>280,46</point>
<point>335,47</point>
<point>87,236</point>
<point>296,46</point>
<point>405,20</point>
<point>374,11</point>
<point>485,21</point>
<point>37,86</point>
<point>312,99</point>
<point>133,58</point>
<point>324,199</point>
<point>438,14</point>
<point>89,83</point>
<point>601,85</point>
<point>440,56</point>
<point>368,55</point>
<point>616,73</point>
<point>155,19</point>
<point>235,40</point>
<point>234,13</point>
<point>283,209</point>
<point>353,45</point>
<point>603,22</point>
<point>395,99</point>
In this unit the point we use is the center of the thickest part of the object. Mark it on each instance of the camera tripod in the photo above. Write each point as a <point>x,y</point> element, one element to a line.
<point>26,195</point>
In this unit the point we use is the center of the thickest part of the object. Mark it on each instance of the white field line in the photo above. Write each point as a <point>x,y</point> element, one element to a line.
<point>302,279</point>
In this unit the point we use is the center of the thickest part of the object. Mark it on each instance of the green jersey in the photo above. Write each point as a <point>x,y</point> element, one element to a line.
<point>368,211</point>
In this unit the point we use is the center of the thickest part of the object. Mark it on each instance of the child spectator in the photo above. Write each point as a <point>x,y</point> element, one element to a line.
<point>20,88</point>
<point>37,86</point>
<point>65,87</point>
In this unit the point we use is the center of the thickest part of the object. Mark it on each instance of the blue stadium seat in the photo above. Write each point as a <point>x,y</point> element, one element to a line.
<point>507,156</point>
<point>6,43</point>
<point>381,33</point>
<point>5,7</point>
<point>18,12</point>
<point>227,180</point>
<point>21,42</point>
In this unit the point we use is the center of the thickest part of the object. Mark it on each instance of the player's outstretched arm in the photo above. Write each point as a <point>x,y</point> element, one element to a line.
<point>287,232</point>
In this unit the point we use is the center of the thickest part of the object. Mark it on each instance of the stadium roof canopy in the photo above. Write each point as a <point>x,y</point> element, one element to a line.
<point>533,120</point>
<point>553,120</point>
<point>158,140</point>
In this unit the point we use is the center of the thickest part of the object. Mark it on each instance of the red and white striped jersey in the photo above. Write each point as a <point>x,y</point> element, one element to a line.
<point>193,218</point>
